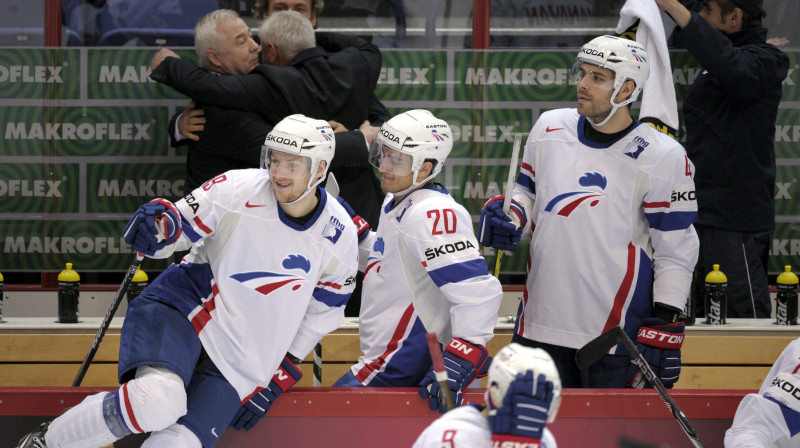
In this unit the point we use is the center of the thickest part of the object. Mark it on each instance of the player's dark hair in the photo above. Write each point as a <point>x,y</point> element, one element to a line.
<point>748,21</point>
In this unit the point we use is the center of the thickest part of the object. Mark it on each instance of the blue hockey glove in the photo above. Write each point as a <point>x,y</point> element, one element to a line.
<point>362,226</point>
<point>154,226</point>
<point>463,362</point>
<point>252,410</point>
<point>496,229</point>
<point>660,344</point>
<point>523,413</point>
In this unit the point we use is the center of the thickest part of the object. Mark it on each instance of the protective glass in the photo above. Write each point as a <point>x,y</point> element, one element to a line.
<point>388,160</point>
<point>280,163</point>
<point>591,73</point>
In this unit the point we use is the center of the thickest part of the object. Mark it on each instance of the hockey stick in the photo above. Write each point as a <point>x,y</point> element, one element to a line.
<point>107,320</point>
<point>512,176</point>
<point>439,370</point>
<point>597,347</point>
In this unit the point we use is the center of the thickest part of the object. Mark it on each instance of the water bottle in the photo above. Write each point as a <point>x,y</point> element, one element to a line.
<point>786,301</point>
<point>138,283</point>
<point>68,295</point>
<point>716,300</point>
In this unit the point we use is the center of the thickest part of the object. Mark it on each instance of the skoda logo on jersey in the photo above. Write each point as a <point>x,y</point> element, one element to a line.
<point>565,203</point>
<point>333,230</point>
<point>267,282</point>
<point>636,147</point>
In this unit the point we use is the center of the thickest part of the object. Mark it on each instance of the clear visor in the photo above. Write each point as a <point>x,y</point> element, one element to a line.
<point>592,75</point>
<point>284,164</point>
<point>388,160</point>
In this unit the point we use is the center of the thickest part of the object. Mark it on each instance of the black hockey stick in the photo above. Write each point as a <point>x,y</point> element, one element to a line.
<point>107,320</point>
<point>597,347</point>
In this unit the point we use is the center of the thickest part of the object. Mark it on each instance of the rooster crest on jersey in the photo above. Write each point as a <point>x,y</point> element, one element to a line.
<point>565,203</point>
<point>267,282</point>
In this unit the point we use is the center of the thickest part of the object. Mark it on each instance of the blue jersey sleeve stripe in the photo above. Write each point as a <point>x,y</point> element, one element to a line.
<point>331,298</point>
<point>671,221</point>
<point>524,181</point>
<point>457,272</point>
<point>190,232</point>
<point>790,416</point>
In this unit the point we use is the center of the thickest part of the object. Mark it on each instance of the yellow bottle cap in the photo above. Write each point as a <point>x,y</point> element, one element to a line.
<point>1,277</point>
<point>68,275</point>
<point>786,278</point>
<point>139,276</point>
<point>716,276</point>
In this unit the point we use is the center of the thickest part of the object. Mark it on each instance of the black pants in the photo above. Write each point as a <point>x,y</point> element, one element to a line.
<point>742,257</point>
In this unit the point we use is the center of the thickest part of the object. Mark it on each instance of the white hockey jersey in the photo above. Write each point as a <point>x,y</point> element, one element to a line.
<point>465,427</point>
<point>612,229</point>
<point>422,273</point>
<point>771,418</point>
<point>255,284</point>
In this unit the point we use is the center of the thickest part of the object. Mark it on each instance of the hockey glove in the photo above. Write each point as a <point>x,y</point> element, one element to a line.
<point>523,414</point>
<point>463,362</point>
<point>660,344</point>
<point>498,230</point>
<point>362,226</point>
<point>251,411</point>
<point>154,226</point>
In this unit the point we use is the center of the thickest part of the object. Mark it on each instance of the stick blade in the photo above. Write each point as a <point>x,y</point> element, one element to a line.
<point>596,348</point>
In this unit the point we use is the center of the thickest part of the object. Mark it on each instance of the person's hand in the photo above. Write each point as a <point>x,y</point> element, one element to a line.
<point>523,414</point>
<point>154,226</point>
<point>191,121</point>
<point>369,131</point>
<point>464,362</point>
<point>160,56</point>
<point>660,344</point>
<point>337,127</point>
<point>778,41</point>
<point>676,10</point>
<point>498,230</point>
<point>256,407</point>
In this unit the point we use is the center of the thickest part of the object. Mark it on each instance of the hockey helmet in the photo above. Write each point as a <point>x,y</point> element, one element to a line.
<point>302,136</point>
<point>407,140</point>
<point>513,359</point>
<point>626,58</point>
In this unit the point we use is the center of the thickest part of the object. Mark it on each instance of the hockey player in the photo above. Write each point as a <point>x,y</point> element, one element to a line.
<point>422,269</point>
<point>771,418</point>
<point>608,203</point>
<point>271,267</point>
<point>523,394</point>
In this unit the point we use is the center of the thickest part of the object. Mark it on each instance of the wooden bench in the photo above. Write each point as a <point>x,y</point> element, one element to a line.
<point>47,354</point>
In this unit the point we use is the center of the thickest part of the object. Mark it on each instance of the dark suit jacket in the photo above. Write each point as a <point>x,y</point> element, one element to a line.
<point>328,86</point>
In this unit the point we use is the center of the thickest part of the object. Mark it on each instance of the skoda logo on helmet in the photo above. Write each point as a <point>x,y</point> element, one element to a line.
<point>281,140</point>
<point>389,136</point>
<point>592,52</point>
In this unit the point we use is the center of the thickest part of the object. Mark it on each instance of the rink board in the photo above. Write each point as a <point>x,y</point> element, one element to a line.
<point>344,417</point>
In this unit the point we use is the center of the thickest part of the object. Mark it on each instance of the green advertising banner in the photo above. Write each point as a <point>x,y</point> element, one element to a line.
<point>38,74</point>
<point>39,188</point>
<point>121,188</point>
<point>125,75</point>
<point>83,131</point>
<point>84,145</point>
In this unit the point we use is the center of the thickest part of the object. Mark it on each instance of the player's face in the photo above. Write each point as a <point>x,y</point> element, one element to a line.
<point>595,86</point>
<point>239,53</point>
<point>289,174</point>
<point>395,169</point>
<point>301,6</point>
<point>713,14</point>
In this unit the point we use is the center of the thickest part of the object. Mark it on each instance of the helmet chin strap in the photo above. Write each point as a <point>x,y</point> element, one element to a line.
<point>311,187</point>
<point>414,185</point>
<point>614,107</point>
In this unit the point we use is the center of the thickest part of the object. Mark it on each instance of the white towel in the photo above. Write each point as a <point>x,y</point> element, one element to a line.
<point>658,96</point>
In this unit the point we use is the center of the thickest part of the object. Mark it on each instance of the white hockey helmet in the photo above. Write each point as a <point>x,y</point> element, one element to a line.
<point>626,58</point>
<point>415,133</point>
<point>302,136</point>
<point>513,359</point>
